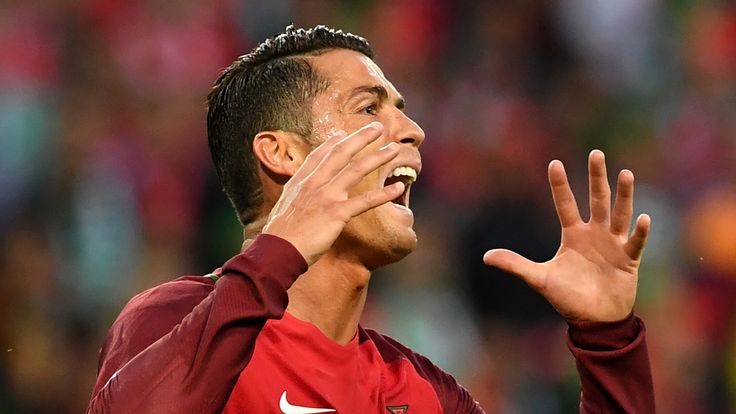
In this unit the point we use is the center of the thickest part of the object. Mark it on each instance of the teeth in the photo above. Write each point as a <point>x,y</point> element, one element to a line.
<point>405,172</point>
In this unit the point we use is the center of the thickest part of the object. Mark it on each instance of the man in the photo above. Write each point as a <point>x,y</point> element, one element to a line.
<point>313,148</point>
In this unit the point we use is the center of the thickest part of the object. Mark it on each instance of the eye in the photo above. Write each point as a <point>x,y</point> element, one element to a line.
<point>371,109</point>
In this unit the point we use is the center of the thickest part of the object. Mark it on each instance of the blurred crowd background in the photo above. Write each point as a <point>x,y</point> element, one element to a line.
<point>106,187</point>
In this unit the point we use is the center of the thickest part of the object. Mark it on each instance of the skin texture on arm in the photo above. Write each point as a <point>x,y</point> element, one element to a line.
<point>591,281</point>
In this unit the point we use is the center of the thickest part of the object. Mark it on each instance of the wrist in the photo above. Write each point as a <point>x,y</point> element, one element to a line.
<point>604,336</point>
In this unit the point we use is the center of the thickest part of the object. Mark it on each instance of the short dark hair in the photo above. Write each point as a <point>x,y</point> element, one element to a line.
<point>271,88</point>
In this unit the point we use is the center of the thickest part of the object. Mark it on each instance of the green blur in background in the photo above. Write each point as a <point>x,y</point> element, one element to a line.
<point>106,187</point>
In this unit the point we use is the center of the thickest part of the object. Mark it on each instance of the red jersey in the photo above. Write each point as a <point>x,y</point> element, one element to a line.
<point>294,364</point>
<point>199,346</point>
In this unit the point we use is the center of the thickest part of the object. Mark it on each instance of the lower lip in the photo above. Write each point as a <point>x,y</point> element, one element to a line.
<point>403,211</point>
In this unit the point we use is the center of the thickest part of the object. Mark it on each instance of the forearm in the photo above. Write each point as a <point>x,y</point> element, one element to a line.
<point>613,363</point>
<point>194,367</point>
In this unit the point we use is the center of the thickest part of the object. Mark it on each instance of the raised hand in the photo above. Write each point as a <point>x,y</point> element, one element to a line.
<point>593,276</point>
<point>314,205</point>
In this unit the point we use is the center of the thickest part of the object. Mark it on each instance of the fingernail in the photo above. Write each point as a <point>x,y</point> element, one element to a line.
<point>374,125</point>
<point>389,147</point>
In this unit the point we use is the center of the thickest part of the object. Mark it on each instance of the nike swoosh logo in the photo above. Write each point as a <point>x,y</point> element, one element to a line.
<point>287,408</point>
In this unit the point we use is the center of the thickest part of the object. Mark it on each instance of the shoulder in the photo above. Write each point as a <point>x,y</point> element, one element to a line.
<point>453,397</point>
<point>389,348</point>
<point>164,306</point>
<point>392,350</point>
<point>150,315</point>
<point>182,293</point>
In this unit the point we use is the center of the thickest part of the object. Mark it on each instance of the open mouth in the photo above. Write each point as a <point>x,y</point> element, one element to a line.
<point>407,175</point>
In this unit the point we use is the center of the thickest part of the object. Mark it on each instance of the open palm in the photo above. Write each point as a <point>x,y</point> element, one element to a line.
<point>593,276</point>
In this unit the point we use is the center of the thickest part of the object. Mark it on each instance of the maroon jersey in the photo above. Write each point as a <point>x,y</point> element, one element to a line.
<point>199,346</point>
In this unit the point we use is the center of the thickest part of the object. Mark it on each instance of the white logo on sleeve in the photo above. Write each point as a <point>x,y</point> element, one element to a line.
<point>287,408</point>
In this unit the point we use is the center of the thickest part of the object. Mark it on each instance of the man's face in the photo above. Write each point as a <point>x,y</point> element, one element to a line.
<point>358,94</point>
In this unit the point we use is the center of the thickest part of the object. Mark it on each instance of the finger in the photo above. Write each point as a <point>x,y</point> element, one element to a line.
<point>567,208</point>
<point>530,272</point>
<point>315,157</point>
<point>623,207</point>
<point>600,191</point>
<point>340,154</point>
<point>357,169</point>
<point>634,247</point>
<point>361,203</point>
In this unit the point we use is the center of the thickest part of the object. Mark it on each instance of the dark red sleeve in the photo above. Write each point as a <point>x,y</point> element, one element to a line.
<point>194,366</point>
<point>613,364</point>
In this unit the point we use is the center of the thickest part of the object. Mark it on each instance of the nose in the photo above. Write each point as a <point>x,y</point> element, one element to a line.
<point>407,131</point>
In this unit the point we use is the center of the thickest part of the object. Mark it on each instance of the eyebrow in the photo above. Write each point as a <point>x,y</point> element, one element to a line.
<point>380,92</point>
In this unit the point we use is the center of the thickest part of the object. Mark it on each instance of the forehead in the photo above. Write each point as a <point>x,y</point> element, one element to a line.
<point>348,69</point>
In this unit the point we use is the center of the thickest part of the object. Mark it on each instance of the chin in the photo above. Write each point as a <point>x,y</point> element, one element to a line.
<point>383,257</point>
<point>381,251</point>
<point>395,252</point>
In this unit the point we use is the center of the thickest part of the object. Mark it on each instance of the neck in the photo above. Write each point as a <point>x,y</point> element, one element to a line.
<point>253,229</point>
<point>331,295</point>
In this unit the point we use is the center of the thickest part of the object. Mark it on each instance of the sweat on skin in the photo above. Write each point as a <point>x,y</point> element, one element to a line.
<point>330,220</point>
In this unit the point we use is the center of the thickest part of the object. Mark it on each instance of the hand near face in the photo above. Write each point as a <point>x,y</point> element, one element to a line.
<point>593,276</point>
<point>315,206</point>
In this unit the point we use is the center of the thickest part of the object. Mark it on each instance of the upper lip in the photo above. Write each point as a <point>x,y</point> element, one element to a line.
<point>412,160</point>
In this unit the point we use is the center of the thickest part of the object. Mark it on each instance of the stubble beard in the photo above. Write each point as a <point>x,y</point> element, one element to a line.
<point>375,242</point>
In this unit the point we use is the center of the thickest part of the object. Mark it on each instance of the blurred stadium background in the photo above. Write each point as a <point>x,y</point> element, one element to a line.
<point>106,186</point>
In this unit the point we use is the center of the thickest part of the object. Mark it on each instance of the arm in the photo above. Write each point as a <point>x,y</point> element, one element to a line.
<point>613,364</point>
<point>592,282</point>
<point>194,367</point>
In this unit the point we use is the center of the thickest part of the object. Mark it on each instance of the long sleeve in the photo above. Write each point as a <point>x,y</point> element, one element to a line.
<point>613,364</point>
<point>194,366</point>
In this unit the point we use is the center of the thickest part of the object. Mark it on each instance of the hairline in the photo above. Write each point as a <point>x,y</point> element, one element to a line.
<point>380,91</point>
<point>236,167</point>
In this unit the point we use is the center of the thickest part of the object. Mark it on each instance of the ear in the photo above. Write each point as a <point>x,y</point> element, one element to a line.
<point>280,152</point>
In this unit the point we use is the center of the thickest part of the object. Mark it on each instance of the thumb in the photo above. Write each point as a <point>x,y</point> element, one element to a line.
<point>511,262</point>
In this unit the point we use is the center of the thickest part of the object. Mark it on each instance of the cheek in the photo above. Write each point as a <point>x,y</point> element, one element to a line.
<point>327,118</point>
<point>366,184</point>
<point>326,126</point>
